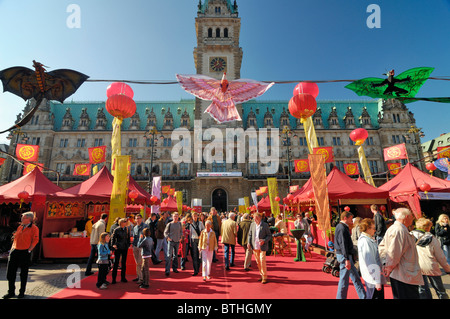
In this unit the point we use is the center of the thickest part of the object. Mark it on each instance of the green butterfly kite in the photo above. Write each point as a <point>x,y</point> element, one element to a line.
<point>403,87</point>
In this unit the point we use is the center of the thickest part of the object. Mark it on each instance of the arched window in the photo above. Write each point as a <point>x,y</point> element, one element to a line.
<point>217,33</point>
<point>225,33</point>
<point>210,33</point>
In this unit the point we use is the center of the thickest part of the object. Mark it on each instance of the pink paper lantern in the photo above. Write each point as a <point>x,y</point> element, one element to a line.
<point>307,87</point>
<point>119,88</point>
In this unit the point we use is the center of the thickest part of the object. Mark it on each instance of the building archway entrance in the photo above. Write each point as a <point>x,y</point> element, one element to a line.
<point>220,200</point>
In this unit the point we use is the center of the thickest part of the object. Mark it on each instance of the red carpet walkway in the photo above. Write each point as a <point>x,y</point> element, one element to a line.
<point>287,279</point>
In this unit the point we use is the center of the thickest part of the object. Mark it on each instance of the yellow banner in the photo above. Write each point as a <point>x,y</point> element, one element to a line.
<point>310,134</point>
<point>247,204</point>
<point>273,192</point>
<point>365,166</point>
<point>179,197</point>
<point>121,165</point>
<point>94,170</point>
<point>116,139</point>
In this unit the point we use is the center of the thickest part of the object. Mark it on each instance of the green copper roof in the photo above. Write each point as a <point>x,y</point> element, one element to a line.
<point>142,108</point>
<point>177,108</point>
<point>205,5</point>
<point>276,108</point>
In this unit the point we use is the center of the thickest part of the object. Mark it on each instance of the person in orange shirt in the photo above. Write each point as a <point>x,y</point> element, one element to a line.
<point>26,238</point>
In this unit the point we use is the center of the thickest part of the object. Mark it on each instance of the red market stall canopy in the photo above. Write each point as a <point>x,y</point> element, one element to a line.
<point>98,189</point>
<point>169,204</point>
<point>264,205</point>
<point>345,189</point>
<point>35,183</point>
<point>406,187</point>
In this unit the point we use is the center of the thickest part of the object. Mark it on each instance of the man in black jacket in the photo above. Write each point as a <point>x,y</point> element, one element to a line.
<point>344,253</point>
<point>120,242</point>
<point>380,224</point>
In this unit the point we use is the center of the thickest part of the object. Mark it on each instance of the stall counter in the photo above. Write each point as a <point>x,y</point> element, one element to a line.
<point>72,247</point>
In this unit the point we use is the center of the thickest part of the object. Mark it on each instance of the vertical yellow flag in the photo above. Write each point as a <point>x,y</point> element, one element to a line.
<point>310,134</point>
<point>116,141</point>
<point>247,204</point>
<point>273,192</point>
<point>119,193</point>
<point>365,166</point>
<point>179,196</point>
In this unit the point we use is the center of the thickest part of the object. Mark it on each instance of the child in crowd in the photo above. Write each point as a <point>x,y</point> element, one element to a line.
<point>146,243</point>
<point>103,260</point>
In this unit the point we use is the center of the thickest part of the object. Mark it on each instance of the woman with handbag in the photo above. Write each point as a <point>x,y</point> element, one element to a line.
<point>103,260</point>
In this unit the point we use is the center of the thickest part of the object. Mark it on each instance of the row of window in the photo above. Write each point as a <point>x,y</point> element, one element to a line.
<point>167,142</point>
<point>218,33</point>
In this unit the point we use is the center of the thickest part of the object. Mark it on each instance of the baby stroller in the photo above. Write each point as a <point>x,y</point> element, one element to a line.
<point>331,264</point>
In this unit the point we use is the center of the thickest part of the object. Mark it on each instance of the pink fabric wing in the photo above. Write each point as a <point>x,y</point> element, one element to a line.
<point>243,90</point>
<point>201,86</point>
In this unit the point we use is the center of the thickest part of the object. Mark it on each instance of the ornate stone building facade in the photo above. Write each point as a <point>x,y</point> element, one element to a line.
<point>64,132</point>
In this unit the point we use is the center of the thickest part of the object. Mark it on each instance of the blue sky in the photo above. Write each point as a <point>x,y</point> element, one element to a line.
<point>281,40</point>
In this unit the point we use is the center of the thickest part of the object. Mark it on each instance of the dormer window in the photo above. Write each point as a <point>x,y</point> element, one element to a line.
<point>217,10</point>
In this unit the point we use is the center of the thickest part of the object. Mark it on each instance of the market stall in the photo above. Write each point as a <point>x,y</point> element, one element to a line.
<point>343,190</point>
<point>68,210</point>
<point>169,204</point>
<point>29,191</point>
<point>412,186</point>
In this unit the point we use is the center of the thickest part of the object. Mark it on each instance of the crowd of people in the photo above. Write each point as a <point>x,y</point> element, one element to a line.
<point>404,253</point>
<point>408,253</point>
<point>195,236</point>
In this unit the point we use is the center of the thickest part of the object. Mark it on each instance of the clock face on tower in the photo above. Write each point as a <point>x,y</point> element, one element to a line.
<point>217,64</point>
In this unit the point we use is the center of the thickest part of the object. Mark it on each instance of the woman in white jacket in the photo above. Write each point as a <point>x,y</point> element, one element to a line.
<point>431,258</point>
<point>370,261</point>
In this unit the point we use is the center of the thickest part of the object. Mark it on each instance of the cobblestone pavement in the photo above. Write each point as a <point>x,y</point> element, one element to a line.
<point>46,279</point>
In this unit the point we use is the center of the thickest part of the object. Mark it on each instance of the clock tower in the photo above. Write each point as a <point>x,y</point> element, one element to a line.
<point>217,26</point>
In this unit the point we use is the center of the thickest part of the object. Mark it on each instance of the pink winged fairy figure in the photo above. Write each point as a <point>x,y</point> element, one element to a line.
<point>224,94</point>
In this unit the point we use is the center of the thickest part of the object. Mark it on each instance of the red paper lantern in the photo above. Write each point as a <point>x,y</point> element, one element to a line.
<point>153,199</point>
<point>290,197</point>
<point>425,187</point>
<point>24,195</point>
<point>277,199</point>
<point>302,106</point>
<point>311,209</point>
<point>310,194</point>
<point>347,209</point>
<point>133,195</point>
<point>307,87</point>
<point>120,106</point>
<point>119,88</point>
<point>359,136</point>
<point>430,166</point>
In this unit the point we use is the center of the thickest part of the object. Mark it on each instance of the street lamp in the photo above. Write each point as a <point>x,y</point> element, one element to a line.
<point>415,131</point>
<point>13,146</point>
<point>286,136</point>
<point>150,135</point>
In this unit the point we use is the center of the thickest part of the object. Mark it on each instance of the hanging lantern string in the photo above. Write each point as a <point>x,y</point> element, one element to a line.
<point>441,78</point>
